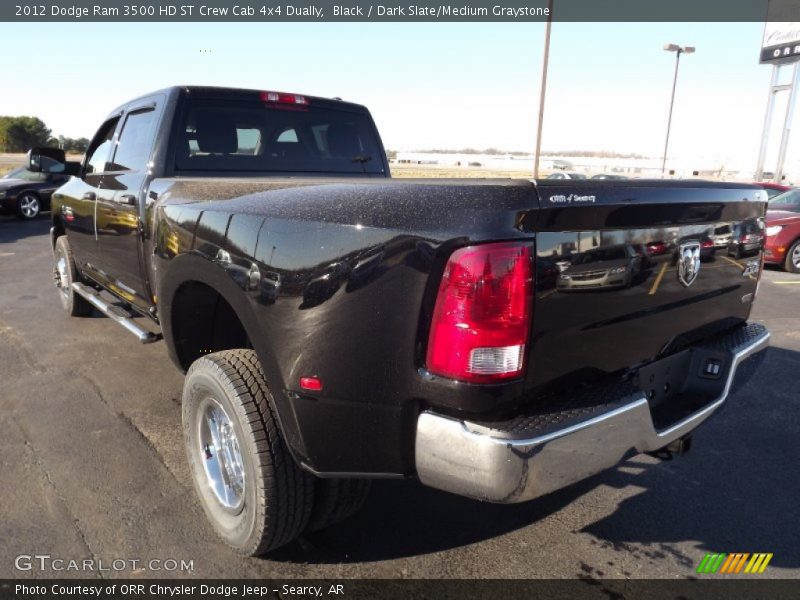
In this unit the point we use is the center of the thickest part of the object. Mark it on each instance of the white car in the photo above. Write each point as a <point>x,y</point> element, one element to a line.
<point>565,175</point>
<point>722,236</point>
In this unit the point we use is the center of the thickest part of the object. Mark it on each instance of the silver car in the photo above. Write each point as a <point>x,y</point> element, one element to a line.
<point>608,267</point>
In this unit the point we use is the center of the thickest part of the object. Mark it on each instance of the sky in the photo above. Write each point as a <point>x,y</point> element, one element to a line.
<point>428,85</point>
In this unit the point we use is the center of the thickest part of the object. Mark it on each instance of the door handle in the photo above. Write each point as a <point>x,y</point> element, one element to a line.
<point>90,196</point>
<point>129,199</point>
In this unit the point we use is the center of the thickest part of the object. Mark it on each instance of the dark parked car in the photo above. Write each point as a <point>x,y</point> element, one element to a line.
<point>656,248</point>
<point>26,193</point>
<point>704,244</point>
<point>707,248</point>
<point>609,176</point>
<point>336,325</point>
<point>546,272</point>
<point>748,237</point>
<point>641,252</point>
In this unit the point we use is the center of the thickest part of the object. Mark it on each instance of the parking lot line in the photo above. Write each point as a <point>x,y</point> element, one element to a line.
<point>795,282</point>
<point>658,279</point>
<point>733,262</point>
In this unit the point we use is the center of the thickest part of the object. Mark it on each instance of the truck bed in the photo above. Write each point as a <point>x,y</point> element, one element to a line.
<point>350,267</point>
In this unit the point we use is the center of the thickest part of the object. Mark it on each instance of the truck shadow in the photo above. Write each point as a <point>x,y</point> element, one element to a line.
<point>732,493</point>
<point>13,229</point>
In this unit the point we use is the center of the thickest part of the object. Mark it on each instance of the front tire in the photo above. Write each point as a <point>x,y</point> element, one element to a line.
<point>792,263</point>
<point>65,273</point>
<point>28,206</point>
<point>253,493</point>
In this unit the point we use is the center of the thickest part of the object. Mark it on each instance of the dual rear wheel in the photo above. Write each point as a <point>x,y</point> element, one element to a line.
<point>253,492</point>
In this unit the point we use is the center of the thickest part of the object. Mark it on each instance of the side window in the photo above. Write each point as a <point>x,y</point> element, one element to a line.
<point>135,142</point>
<point>100,149</point>
<point>288,136</point>
<point>320,134</point>
<point>287,144</point>
<point>248,140</point>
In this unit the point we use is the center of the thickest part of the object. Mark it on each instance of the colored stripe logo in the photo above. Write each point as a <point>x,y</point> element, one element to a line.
<point>738,562</point>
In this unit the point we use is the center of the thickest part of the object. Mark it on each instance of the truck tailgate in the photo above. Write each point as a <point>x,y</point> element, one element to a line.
<point>630,271</point>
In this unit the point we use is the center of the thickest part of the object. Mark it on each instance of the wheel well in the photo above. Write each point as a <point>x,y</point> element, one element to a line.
<point>203,322</point>
<point>58,230</point>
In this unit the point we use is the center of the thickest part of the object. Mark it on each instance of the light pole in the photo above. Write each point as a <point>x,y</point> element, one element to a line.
<point>543,90</point>
<point>678,50</point>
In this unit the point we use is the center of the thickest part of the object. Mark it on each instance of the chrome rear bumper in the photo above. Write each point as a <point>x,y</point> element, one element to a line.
<point>474,460</point>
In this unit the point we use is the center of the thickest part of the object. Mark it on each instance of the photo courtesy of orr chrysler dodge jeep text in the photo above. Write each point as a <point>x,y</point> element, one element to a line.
<point>336,325</point>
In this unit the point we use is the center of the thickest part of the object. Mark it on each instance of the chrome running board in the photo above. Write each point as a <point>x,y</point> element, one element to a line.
<point>93,297</point>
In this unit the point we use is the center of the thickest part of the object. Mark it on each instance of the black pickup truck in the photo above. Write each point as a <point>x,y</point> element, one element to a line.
<point>337,326</point>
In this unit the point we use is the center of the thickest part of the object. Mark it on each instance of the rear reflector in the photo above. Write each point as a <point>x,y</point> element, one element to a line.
<point>311,383</point>
<point>483,314</point>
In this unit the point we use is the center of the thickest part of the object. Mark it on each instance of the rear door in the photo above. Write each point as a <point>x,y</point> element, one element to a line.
<point>119,234</point>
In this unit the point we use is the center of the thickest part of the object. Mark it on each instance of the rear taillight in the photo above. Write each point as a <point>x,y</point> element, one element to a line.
<point>707,243</point>
<point>482,316</point>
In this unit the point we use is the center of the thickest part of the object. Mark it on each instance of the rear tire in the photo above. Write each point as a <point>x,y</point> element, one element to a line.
<point>65,274</point>
<point>336,500</point>
<point>253,493</point>
<point>792,263</point>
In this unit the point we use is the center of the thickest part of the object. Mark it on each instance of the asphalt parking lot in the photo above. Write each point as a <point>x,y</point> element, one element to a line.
<point>92,467</point>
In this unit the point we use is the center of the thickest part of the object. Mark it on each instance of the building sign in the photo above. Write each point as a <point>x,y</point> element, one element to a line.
<point>781,42</point>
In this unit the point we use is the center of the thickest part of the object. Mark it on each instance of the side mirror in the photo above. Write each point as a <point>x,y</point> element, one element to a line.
<point>46,160</point>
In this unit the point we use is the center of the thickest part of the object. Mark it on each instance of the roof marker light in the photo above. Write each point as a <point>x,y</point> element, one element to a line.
<point>284,98</point>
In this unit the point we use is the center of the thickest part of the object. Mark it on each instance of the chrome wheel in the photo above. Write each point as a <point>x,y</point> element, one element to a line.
<point>221,455</point>
<point>28,206</point>
<point>796,256</point>
<point>61,274</point>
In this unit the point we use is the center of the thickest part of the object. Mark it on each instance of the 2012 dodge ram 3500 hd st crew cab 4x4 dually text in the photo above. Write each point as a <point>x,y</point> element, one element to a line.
<point>497,339</point>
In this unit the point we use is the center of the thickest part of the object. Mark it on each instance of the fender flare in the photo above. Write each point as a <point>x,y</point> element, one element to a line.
<point>195,268</point>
